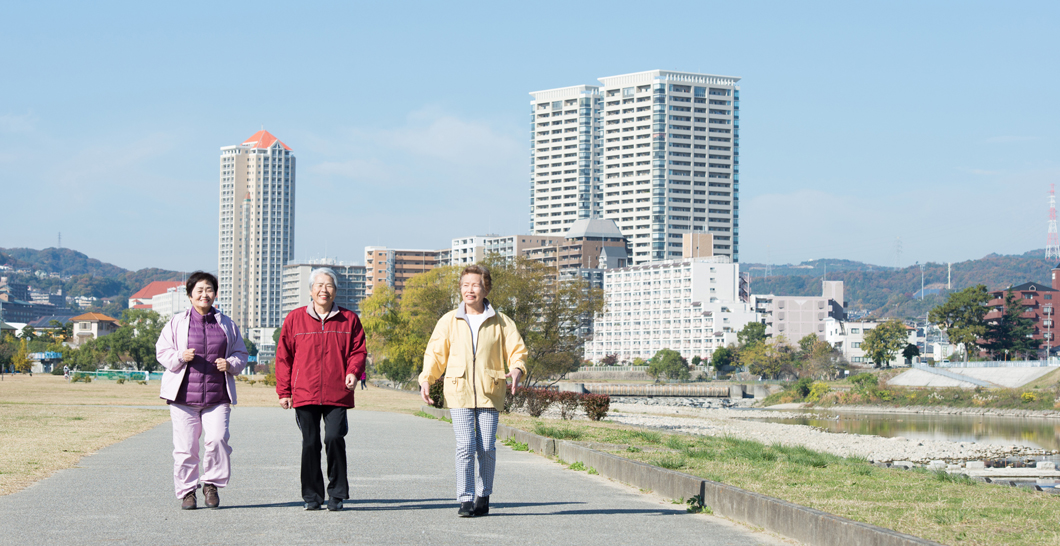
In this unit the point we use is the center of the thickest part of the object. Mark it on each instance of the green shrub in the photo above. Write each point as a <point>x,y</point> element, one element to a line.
<point>397,369</point>
<point>802,387</point>
<point>1028,397</point>
<point>270,379</point>
<point>437,392</point>
<point>57,370</point>
<point>596,405</point>
<point>864,381</point>
<point>120,380</point>
<point>817,390</point>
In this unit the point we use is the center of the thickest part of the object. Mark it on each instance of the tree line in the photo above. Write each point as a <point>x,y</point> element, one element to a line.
<point>552,315</point>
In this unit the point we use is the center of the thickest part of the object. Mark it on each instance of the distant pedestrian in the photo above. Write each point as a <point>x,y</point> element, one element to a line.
<point>364,378</point>
<point>319,357</point>
<point>202,351</point>
<point>470,346</point>
<point>66,373</point>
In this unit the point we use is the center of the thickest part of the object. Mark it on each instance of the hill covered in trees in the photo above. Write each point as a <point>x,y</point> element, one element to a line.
<point>894,292</point>
<point>81,275</point>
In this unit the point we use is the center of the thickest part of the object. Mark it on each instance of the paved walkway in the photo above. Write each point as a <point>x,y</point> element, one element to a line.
<point>402,489</point>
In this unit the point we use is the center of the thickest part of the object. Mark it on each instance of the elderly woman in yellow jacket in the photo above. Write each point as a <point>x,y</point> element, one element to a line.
<point>470,346</point>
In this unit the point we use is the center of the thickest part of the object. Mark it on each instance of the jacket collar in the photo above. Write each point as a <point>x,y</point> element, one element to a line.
<point>313,312</point>
<point>461,312</point>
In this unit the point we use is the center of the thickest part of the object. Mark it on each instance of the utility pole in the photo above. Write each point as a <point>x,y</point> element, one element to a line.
<point>921,280</point>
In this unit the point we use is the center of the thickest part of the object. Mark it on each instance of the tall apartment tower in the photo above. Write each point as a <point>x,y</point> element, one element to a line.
<point>665,149</point>
<point>564,158</point>
<point>256,237</point>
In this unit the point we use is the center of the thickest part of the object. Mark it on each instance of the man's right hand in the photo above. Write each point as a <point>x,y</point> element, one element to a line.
<point>285,403</point>
<point>425,392</point>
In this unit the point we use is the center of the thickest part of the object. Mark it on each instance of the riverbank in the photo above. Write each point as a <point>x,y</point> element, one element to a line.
<point>745,423</point>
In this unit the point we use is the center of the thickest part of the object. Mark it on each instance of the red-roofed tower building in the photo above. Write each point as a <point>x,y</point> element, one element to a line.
<point>256,235</point>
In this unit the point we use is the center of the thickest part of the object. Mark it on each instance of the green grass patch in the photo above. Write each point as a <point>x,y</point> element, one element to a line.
<point>515,445</point>
<point>559,433</point>
<point>950,509</point>
<point>424,414</point>
<point>578,466</point>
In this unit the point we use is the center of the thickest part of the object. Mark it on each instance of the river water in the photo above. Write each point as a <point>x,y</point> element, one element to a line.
<point>1023,431</point>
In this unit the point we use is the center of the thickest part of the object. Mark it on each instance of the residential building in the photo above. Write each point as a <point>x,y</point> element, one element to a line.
<point>393,267</point>
<point>44,298</point>
<point>171,302</point>
<point>296,281</point>
<point>256,235</point>
<point>510,246</point>
<point>848,338</point>
<point>795,317</point>
<point>581,248</point>
<point>143,296</point>
<point>92,326</point>
<point>564,157</point>
<point>13,310</point>
<point>10,290</point>
<point>468,250</point>
<point>691,306</point>
<point>664,152</point>
<point>1039,306</point>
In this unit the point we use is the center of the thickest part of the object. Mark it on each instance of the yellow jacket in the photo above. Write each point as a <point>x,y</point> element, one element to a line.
<point>474,377</point>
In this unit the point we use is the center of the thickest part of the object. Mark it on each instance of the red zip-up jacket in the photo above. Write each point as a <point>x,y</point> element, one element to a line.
<point>314,356</point>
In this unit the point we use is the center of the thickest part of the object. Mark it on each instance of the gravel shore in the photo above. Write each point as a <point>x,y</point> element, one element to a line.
<point>710,417</point>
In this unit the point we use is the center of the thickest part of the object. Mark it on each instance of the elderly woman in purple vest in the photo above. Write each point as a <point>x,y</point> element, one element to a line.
<point>202,352</point>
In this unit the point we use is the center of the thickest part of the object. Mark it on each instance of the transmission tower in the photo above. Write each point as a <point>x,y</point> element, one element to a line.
<point>1052,241</point>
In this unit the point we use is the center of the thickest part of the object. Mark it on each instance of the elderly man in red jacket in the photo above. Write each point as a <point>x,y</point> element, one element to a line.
<point>319,357</point>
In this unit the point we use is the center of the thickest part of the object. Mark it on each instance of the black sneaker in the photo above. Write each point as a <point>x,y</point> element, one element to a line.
<point>312,505</point>
<point>334,505</point>
<point>466,510</point>
<point>482,506</point>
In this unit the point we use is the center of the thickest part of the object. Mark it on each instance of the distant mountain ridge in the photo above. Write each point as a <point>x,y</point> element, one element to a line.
<point>82,276</point>
<point>64,261</point>
<point>888,291</point>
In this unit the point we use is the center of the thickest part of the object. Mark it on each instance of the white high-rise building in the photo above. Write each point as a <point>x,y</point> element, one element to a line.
<point>564,158</point>
<point>256,237</point>
<point>665,152</point>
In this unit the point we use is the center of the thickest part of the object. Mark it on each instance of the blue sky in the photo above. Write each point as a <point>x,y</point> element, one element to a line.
<point>861,123</point>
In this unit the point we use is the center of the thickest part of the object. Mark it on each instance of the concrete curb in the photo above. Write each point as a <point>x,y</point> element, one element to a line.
<point>800,523</point>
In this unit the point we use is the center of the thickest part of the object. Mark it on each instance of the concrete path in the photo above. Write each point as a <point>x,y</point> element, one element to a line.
<point>402,484</point>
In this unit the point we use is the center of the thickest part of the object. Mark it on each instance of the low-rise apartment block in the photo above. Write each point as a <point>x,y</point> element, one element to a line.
<point>393,267</point>
<point>848,338</point>
<point>795,317</point>
<point>349,292</point>
<point>691,306</point>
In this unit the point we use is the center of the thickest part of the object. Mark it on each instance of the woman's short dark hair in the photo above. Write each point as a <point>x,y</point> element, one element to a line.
<point>200,276</point>
<point>475,269</point>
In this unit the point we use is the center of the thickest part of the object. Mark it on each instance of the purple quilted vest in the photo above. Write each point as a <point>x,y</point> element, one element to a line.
<point>203,384</point>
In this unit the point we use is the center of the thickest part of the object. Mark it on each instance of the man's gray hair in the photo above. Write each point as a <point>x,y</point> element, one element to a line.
<point>323,271</point>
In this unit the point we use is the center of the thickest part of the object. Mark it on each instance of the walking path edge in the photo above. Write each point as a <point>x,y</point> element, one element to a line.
<point>806,525</point>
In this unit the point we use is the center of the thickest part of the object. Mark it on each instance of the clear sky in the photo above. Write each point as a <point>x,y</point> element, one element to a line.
<point>861,122</point>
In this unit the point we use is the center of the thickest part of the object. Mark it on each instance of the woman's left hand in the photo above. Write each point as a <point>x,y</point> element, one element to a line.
<point>515,374</point>
<point>222,364</point>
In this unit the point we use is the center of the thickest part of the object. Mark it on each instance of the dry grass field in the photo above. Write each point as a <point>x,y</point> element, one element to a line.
<point>47,424</point>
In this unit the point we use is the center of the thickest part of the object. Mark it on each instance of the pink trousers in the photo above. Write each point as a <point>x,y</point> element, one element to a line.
<point>190,422</point>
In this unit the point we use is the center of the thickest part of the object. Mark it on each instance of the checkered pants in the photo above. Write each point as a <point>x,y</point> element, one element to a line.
<point>476,432</point>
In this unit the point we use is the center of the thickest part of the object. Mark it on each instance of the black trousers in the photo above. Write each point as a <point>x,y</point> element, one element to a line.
<point>335,428</point>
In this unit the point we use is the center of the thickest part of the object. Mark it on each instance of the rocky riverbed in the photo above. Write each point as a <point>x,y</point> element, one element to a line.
<point>723,417</point>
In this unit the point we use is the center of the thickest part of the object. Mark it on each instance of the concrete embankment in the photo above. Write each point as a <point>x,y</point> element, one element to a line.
<point>800,523</point>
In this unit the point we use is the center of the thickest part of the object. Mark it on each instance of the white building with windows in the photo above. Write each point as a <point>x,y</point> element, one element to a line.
<point>655,151</point>
<point>692,306</point>
<point>256,236</point>
<point>848,337</point>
